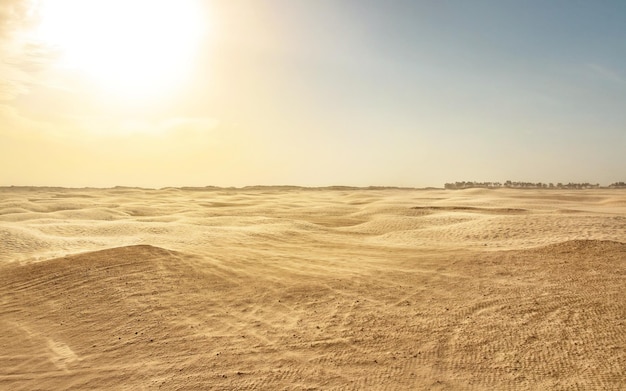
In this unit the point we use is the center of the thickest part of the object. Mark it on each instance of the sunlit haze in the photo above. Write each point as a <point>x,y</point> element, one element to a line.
<point>345,92</point>
<point>132,48</point>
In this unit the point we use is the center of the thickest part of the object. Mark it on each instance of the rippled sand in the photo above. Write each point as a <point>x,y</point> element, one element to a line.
<point>289,288</point>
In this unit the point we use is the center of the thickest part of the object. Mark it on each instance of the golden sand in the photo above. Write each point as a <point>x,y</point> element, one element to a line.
<point>304,289</point>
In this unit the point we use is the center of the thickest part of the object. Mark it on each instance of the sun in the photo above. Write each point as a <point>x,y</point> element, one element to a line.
<point>133,48</point>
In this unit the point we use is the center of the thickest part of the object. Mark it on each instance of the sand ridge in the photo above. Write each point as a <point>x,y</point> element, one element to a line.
<point>312,289</point>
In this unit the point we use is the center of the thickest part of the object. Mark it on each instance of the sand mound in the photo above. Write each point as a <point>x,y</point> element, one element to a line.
<point>105,319</point>
<point>586,247</point>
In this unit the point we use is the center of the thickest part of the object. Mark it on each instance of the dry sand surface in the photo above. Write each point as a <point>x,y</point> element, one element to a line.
<point>312,289</point>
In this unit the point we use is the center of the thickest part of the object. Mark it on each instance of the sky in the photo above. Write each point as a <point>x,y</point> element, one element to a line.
<point>159,93</point>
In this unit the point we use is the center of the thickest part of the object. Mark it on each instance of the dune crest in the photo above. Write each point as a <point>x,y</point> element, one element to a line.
<point>586,246</point>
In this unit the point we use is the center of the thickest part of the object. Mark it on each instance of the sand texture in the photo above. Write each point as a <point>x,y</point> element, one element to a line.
<point>312,289</point>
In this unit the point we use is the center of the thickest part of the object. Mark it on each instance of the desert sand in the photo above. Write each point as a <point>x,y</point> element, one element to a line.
<point>312,289</point>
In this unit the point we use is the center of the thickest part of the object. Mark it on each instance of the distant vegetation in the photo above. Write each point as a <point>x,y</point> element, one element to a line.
<point>527,185</point>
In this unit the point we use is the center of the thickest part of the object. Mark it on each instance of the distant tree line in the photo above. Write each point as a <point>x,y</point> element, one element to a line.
<point>618,185</point>
<point>526,185</point>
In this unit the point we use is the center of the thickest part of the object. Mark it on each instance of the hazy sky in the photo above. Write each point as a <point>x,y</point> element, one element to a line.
<point>311,92</point>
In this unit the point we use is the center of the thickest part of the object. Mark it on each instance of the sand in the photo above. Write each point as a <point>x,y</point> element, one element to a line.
<point>312,289</point>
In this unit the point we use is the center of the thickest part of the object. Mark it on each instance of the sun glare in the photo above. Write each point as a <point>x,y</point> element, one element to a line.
<point>133,48</point>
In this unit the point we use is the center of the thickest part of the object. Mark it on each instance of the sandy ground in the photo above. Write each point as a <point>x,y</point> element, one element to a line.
<point>296,289</point>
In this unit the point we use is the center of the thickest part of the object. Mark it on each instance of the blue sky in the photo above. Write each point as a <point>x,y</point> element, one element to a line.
<point>353,92</point>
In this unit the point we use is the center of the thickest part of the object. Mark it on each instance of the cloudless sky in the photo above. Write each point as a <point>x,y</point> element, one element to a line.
<point>313,93</point>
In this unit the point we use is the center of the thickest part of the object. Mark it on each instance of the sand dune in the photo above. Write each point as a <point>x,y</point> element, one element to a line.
<point>291,288</point>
